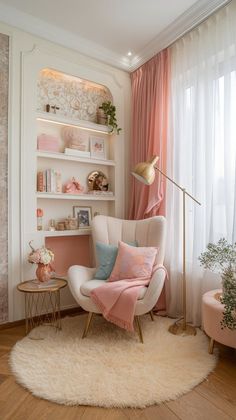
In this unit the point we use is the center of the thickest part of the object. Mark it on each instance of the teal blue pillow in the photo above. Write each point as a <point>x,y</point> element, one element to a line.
<point>107,257</point>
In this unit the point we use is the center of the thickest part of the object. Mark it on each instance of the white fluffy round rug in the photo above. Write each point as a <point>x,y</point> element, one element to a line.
<point>111,368</point>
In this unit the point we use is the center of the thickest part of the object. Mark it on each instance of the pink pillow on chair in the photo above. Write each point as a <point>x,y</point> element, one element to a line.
<point>132,262</point>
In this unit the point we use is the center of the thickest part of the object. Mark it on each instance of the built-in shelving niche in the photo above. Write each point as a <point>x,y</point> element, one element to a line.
<point>77,101</point>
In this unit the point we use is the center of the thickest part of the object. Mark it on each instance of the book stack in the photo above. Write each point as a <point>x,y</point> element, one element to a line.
<point>76,152</point>
<point>49,181</point>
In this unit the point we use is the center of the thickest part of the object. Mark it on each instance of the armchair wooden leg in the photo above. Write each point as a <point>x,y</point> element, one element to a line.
<point>211,346</point>
<point>87,325</point>
<point>151,315</point>
<point>139,329</point>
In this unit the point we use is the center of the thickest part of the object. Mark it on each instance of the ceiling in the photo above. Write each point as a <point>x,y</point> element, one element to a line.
<point>109,29</point>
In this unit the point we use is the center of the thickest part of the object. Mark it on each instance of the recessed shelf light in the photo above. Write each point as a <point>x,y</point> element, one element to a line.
<point>80,126</point>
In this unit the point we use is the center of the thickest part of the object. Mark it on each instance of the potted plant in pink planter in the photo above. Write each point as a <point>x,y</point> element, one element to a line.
<point>107,116</point>
<point>221,258</point>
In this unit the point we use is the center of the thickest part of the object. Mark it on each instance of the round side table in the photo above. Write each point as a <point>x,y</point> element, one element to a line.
<point>212,313</point>
<point>42,302</point>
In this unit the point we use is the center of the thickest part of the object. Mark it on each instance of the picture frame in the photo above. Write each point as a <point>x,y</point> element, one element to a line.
<point>97,147</point>
<point>84,216</point>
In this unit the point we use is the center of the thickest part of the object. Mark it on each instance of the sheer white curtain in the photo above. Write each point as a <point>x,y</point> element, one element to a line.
<point>202,152</point>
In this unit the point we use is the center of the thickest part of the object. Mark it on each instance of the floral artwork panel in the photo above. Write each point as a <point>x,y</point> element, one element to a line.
<point>76,98</point>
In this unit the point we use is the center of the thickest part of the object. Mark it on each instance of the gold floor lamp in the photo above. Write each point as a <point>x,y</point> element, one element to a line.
<point>145,173</point>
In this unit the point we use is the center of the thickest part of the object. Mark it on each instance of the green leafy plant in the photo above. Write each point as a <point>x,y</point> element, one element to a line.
<point>110,112</point>
<point>221,258</point>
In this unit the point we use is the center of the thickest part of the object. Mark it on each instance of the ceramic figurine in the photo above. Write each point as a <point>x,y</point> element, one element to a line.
<point>52,225</point>
<point>55,108</point>
<point>73,187</point>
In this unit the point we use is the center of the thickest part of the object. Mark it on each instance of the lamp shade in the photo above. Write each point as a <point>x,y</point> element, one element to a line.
<point>145,171</point>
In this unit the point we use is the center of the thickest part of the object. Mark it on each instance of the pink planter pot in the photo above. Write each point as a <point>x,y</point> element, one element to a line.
<point>101,117</point>
<point>43,272</point>
<point>212,313</point>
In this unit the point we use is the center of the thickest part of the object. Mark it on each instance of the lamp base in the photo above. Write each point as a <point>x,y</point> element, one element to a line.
<point>181,328</point>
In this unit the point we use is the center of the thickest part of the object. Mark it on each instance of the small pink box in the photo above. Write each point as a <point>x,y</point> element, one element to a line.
<point>48,143</point>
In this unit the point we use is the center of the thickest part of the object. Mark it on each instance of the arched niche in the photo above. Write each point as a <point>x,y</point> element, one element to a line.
<point>76,98</point>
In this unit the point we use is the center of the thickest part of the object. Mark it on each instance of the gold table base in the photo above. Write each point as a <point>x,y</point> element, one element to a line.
<point>42,309</point>
<point>182,328</point>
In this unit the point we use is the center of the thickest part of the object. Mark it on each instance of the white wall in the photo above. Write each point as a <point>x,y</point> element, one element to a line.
<point>20,44</point>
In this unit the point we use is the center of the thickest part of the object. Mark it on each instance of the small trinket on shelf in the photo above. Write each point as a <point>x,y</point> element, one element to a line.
<point>47,108</point>
<point>97,181</point>
<point>39,219</point>
<point>55,108</point>
<point>71,223</point>
<point>73,187</point>
<point>61,226</point>
<point>52,225</point>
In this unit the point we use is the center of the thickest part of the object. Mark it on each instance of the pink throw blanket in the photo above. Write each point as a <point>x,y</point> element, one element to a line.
<point>117,299</point>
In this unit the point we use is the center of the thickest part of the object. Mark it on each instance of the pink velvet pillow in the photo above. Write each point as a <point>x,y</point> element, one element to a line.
<point>133,262</point>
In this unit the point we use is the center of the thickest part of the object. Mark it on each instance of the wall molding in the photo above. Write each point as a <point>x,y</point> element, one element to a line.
<point>4,141</point>
<point>192,17</point>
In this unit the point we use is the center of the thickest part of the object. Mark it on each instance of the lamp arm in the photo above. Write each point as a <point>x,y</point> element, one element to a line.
<point>177,185</point>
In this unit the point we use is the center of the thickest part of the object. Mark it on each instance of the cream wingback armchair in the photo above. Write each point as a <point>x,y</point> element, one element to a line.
<point>109,230</point>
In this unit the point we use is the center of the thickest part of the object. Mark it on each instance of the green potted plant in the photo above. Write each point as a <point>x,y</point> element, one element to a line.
<point>107,116</point>
<point>221,258</point>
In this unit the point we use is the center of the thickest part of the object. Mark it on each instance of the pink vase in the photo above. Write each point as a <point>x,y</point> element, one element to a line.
<point>43,272</point>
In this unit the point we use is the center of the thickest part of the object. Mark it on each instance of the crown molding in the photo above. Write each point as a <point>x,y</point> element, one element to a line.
<point>184,23</point>
<point>38,27</point>
<point>187,21</point>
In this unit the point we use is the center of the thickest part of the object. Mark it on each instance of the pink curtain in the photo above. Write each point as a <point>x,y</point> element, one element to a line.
<point>150,97</point>
<point>150,92</point>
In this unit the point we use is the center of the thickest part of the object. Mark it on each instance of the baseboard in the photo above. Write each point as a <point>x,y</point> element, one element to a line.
<point>64,312</point>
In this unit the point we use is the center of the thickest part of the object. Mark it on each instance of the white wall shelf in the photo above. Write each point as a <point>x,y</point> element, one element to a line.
<point>85,125</point>
<point>75,232</point>
<point>64,196</point>
<point>63,156</point>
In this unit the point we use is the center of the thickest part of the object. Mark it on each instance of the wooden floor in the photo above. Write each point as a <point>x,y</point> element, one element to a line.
<point>214,399</point>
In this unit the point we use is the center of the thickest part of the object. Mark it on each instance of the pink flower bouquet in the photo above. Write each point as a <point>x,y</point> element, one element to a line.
<point>40,256</point>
